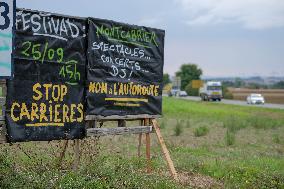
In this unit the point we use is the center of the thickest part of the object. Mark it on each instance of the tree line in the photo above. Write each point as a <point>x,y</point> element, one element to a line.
<point>189,72</point>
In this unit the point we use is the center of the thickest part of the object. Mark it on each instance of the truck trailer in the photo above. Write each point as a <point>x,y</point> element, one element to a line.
<point>211,90</point>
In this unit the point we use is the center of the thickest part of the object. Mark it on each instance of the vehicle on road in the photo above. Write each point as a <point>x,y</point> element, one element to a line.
<point>255,99</point>
<point>173,92</point>
<point>181,94</point>
<point>211,90</point>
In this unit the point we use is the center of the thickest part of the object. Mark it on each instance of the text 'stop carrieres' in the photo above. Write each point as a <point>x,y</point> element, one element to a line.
<point>125,69</point>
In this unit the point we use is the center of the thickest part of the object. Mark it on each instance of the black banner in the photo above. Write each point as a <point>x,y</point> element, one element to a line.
<point>45,100</point>
<point>125,69</point>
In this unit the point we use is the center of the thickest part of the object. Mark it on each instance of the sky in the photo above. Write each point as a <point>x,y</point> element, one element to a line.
<point>225,38</point>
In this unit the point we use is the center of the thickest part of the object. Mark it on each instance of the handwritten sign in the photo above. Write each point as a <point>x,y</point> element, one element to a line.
<point>45,99</point>
<point>125,69</point>
<point>6,36</point>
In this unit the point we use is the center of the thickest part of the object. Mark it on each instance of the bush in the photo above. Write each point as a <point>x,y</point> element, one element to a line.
<point>191,91</point>
<point>178,128</point>
<point>226,93</point>
<point>201,131</point>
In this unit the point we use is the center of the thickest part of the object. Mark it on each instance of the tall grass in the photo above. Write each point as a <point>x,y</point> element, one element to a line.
<point>260,122</point>
<point>178,129</point>
<point>106,171</point>
<point>230,138</point>
<point>276,139</point>
<point>163,123</point>
<point>252,163</point>
<point>201,131</point>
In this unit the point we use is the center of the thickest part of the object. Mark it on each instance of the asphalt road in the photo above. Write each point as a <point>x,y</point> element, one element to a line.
<point>238,102</point>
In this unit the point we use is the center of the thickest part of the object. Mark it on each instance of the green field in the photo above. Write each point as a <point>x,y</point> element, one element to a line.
<point>212,145</point>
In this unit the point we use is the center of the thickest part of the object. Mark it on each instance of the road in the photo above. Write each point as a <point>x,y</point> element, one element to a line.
<point>238,102</point>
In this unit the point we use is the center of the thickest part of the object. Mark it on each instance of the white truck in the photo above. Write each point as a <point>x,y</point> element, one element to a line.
<point>211,90</point>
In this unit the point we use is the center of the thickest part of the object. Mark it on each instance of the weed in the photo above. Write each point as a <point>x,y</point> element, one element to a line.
<point>163,124</point>
<point>230,138</point>
<point>276,139</point>
<point>201,131</point>
<point>178,128</point>
<point>233,124</point>
<point>263,122</point>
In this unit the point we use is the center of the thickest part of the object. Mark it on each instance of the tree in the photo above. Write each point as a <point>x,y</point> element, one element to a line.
<point>239,82</point>
<point>279,85</point>
<point>187,73</point>
<point>166,79</point>
<point>191,91</point>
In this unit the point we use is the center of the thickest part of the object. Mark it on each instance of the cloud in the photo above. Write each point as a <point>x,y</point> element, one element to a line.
<point>251,14</point>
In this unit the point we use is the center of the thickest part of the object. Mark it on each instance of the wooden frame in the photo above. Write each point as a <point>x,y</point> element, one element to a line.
<point>117,117</point>
<point>97,132</point>
<point>148,125</point>
<point>2,117</point>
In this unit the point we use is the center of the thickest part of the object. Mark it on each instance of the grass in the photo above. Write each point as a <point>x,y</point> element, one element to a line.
<point>230,138</point>
<point>163,124</point>
<point>104,172</point>
<point>188,124</point>
<point>201,131</point>
<point>244,149</point>
<point>276,138</point>
<point>178,128</point>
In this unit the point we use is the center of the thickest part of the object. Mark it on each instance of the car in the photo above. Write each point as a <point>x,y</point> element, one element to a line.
<point>181,94</point>
<point>255,99</point>
<point>173,92</point>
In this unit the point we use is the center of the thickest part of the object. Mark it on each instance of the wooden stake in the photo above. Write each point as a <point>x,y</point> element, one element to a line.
<point>3,129</point>
<point>77,154</point>
<point>62,153</point>
<point>121,123</point>
<point>139,141</point>
<point>148,148</point>
<point>165,150</point>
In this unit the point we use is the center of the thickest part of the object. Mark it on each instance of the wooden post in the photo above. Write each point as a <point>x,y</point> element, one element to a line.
<point>148,148</point>
<point>62,153</point>
<point>121,123</point>
<point>91,124</point>
<point>140,140</point>
<point>77,154</point>
<point>165,150</point>
<point>3,129</point>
